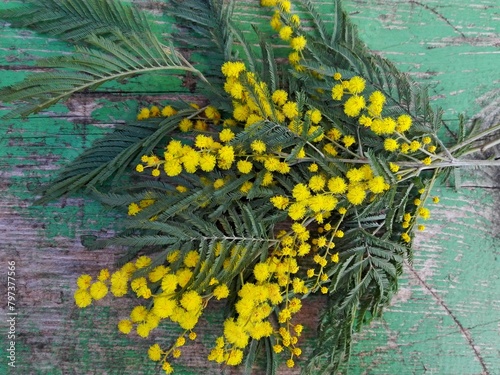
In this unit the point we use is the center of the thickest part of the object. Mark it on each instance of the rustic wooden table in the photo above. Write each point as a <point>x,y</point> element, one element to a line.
<point>446,318</point>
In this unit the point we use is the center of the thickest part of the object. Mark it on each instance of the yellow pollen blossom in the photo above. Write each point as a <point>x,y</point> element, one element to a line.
<point>258,146</point>
<point>405,237</point>
<point>355,175</point>
<point>393,167</point>
<point>301,192</point>
<point>232,68</point>
<point>82,298</point>
<point>133,209</point>
<point>297,211</point>
<point>276,21</point>
<point>285,5</point>
<point>191,259</point>
<point>155,352</point>
<point>391,145</point>
<point>354,105</point>
<point>226,135</point>
<point>235,357</point>
<point>261,271</point>
<point>356,195</point>
<point>424,213</point>
<point>356,85</point>
<point>404,123</point>
<point>298,43</point>
<point>348,140</point>
<point>337,185</point>
<point>221,291</point>
<point>154,111</point>
<point>279,202</point>
<point>185,125</point>
<point>207,162</point>
<point>285,33</point>
<point>84,281</point>
<point>317,183</point>
<point>98,290</point>
<point>168,111</point>
<point>377,185</point>
<point>142,261</point>
<point>290,110</point>
<point>337,92</point>
<point>244,166</point>
<point>125,326</point>
<point>218,183</point>
<point>241,112</point>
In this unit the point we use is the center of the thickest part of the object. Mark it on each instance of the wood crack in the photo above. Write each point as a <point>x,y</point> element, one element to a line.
<point>439,15</point>
<point>463,330</point>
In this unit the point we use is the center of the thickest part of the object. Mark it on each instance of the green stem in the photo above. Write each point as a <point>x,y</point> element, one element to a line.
<point>439,164</point>
<point>110,78</point>
<point>344,148</point>
<point>421,149</point>
<point>483,148</point>
<point>456,163</point>
<point>475,138</point>
<point>445,149</point>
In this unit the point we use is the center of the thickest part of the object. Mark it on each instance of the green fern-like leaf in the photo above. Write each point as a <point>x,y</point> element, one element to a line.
<point>75,20</point>
<point>230,244</point>
<point>91,67</point>
<point>110,157</point>
<point>334,340</point>
<point>319,26</point>
<point>203,28</point>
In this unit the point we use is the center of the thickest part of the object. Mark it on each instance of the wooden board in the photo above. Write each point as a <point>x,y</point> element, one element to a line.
<point>445,319</point>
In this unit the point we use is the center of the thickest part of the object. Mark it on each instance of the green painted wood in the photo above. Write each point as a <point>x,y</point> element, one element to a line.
<point>444,320</point>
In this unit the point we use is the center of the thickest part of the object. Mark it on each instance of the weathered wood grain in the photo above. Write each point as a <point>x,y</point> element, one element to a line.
<point>447,319</point>
<point>444,320</point>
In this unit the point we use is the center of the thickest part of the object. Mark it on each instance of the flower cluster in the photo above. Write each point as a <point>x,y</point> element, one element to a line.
<point>322,197</point>
<point>154,111</point>
<point>166,294</point>
<point>316,171</point>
